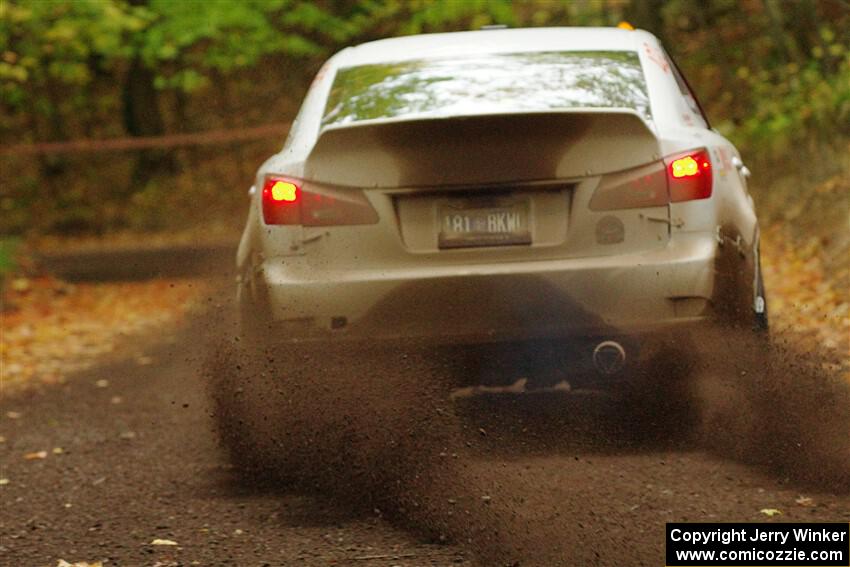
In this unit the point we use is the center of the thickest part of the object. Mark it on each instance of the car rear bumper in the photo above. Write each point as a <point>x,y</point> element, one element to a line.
<point>598,296</point>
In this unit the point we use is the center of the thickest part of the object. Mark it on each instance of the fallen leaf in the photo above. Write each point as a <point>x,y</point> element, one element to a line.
<point>163,542</point>
<point>805,501</point>
<point>102,383</point>
<point>770,512</point>
<point>58,329</point>
<point>21,285</point>
<point>4,481</point>
<point>14,414</point>
<point>35,455</point>
<point>58,450</point>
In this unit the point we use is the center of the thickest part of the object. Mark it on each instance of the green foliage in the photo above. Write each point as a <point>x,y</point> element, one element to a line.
<point>66,42</point>
<point>185,41</point>
<point>772,75</point>
<point>797,105</point>
<point>472,14</point>
<point>46,45</point>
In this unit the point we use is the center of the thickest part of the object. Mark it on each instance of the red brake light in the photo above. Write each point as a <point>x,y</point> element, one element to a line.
<point>284,191</point>
<point>281,201</point>
<point>689,176</point>
<point>684,167</point>
<point>289,201</point>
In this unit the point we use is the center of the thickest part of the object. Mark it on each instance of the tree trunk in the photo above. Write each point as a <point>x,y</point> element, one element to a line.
<point>142,117</point>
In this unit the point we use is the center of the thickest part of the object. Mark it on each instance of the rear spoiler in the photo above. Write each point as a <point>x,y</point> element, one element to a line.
<point>479,149</point>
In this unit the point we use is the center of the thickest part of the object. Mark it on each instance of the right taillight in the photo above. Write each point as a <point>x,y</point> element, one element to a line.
<point>288,201</point>
<point>681,177</point>
<point>689,176</point>
<point>644,186</point>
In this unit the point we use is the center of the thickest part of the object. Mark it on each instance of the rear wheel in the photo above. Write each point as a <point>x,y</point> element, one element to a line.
<point>762,322</point>
<point>739,299</point>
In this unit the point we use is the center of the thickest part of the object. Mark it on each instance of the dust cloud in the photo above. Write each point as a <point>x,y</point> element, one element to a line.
<point>370,429</point>
<point>375,430</point>
<point>766,403</point>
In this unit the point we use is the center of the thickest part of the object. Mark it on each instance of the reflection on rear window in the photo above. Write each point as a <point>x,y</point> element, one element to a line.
<point>492,83</point>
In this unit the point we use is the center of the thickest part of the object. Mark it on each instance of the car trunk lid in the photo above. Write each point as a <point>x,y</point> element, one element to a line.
<point>482,149</point>
<point>487,188</point>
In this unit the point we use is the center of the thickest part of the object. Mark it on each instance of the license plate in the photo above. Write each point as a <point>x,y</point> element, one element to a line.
<point>465,224</point>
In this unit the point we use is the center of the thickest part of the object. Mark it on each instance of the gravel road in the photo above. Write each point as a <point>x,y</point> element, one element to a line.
<point>130,457</point>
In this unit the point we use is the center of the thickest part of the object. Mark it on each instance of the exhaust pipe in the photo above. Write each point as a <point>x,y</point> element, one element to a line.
<point>609,357</point>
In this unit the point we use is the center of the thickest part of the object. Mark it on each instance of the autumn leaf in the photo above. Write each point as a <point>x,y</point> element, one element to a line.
<point>55,328</point>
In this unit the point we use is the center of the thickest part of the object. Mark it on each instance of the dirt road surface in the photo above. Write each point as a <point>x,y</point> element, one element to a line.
<point>125,454</point>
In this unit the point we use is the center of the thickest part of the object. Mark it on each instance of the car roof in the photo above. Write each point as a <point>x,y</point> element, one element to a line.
<point>519,40</point>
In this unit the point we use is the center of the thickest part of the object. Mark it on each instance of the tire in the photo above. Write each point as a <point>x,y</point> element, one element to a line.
<point>762,321</point>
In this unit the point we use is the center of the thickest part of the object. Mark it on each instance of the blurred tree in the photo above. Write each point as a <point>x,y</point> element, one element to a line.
<point>142,117</point>
<point>53,53</point>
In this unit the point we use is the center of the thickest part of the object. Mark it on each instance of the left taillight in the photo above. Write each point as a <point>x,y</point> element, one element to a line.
<point>281,201</point>
<point>288,201</point>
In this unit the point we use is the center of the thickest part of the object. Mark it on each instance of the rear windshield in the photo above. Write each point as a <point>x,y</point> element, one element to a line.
<point>492,83</point>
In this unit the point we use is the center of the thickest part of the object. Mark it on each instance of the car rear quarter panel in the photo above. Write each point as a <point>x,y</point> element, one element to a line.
<point>680,129</point>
